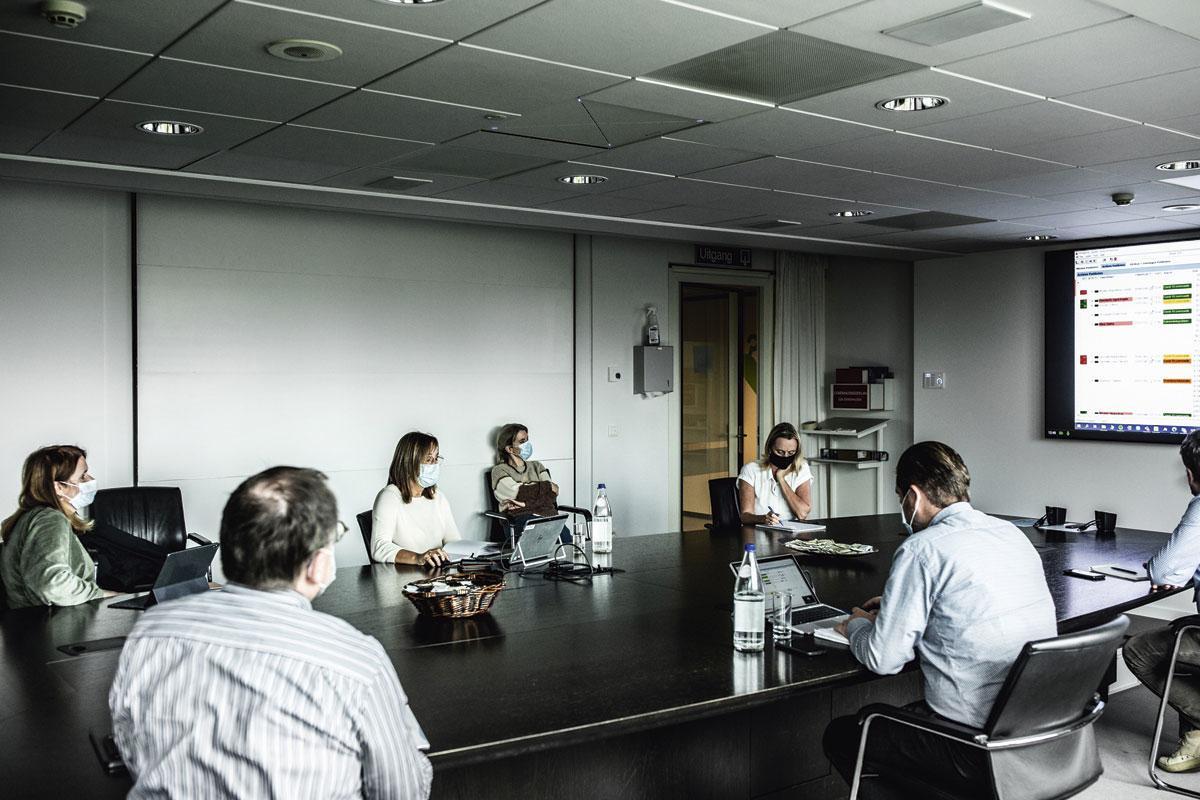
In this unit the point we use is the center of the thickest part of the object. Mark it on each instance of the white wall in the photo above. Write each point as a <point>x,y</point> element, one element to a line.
<point>273,335</point>
<point>869,321</point>
<point>979,318</point>
<point>65,330</point>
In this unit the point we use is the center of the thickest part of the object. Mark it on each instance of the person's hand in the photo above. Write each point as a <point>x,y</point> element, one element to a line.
<point>110,593</point>
<point>433,557</point>
<point>770,518</point>
<point>1163,587</point>
<point>843,627</point>
<point>872,604</point>
<point>509,505</point>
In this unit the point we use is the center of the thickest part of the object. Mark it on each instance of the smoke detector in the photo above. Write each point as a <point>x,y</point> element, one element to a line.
<point>304,50</point>
<point>64,13</point>
<point>1122,198</point>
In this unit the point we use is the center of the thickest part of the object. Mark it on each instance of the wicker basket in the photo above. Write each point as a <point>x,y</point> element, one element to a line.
<point>487,583</point>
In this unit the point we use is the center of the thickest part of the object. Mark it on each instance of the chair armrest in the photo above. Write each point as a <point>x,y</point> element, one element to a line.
<point>496,515</point>
<point>198,539</point>
<point>583,512</point>
<point>942,727</point>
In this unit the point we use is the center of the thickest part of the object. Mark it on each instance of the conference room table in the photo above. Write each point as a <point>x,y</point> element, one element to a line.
<point>625,685</point>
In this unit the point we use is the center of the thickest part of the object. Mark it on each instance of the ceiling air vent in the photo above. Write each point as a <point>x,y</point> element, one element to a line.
<point>304,50</point>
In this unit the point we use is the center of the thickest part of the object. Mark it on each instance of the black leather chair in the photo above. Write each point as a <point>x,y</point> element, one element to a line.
<point>723,502</point>
<point>364,525</point>
<point>1038,739</point>
<point>152,513</point>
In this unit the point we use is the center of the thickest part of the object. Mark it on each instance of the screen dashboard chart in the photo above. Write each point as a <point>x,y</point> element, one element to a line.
<point>1125,317</point>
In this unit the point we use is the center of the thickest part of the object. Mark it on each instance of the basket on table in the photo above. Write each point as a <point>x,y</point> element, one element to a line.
<point>478,590</point>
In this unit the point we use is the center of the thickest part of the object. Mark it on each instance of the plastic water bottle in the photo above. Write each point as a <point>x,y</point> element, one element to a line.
<point>652,334</point>
<point>749,606</point>
<point>602,536</point>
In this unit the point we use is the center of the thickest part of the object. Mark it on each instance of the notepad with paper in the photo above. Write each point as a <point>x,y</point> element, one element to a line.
<point>793,526</point>
<point>1118,571</point>
<point>830,635</point>
<point>468,548</point>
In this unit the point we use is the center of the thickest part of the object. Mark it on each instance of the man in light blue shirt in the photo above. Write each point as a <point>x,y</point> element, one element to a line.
<point>965,593</point>
<point>1148,654</point>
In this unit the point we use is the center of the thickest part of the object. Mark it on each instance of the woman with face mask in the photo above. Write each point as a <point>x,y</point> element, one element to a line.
<point>411,519</point>
<point>779,485</point>
<point>514,467</point>
<point>42,560</point>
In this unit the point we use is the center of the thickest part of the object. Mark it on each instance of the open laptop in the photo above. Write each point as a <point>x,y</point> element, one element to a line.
<point>537,542</point>
<point>783,574</point>
<point>184,572</point>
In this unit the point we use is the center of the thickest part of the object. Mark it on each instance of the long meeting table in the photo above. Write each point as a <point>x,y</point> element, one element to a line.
<point>625,685</point>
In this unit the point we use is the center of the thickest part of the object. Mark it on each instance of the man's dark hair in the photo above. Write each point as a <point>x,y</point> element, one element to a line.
<point>937,470</point>
<point>1189,451</point>
<point>273,523</point>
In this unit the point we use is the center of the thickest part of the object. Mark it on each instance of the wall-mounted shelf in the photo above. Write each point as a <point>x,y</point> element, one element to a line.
<point>855,464</point>
<point>840,429</point>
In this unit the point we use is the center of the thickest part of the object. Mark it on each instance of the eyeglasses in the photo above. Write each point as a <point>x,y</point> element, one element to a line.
<point>341,532</point>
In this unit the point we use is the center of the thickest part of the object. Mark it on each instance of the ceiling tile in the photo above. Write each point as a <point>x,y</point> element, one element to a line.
<point>363,178</point>
<point>1013,128</point>
<point>1075,219</point>
<point>64,67</point>
<point>263,167</point>
<point>505,194</point>
<point>493,80</point>
<point>780,13</point>
<point>199,87</point>
<point>399,117</point>
<point>668,155</point>
<point>1086,59</point>
<point>915,157</point>
<point>1132,228</point>
<point>592,123</point>
<point>776,132</point>
<point>1108,146</point>
<point>446,159</point>
<point>1168,13</point>
<point>547,149</point>
<point>603,204</point>
<point>143,27</point>
<point>1143,169</point>
<point>966,98</point>
<point>548,177</point>
<point>1151,193</point>
<point>108,134</point>
<point>454,20</point>
<point>862,25</point>
<point>238,35</point>
<point>1189,124</point>
<point>686,215</point>
<point>31,115</point>
<point>1072,179</point>
<point>1154,99</point>
<point>670,100</point>
<point>582,32</point>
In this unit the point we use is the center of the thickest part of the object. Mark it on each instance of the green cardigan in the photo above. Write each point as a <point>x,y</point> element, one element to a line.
<point>43,563</point>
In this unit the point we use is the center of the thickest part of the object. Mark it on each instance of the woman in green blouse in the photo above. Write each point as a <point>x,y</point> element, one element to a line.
<point>42,561</point>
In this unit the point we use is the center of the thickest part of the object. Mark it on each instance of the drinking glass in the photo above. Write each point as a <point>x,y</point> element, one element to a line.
<point>781,616</point>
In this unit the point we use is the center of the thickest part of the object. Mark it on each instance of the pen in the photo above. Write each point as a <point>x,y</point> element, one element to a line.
<point>1122,569</point>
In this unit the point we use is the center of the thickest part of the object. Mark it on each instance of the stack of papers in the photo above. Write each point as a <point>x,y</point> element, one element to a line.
<point>1124,573</point>
<point>793,526</point>
<point>466,548</point>
<point>830,635</point>
<point>828,547</point>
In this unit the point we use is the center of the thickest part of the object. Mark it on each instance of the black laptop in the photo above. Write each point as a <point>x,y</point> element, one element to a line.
<point>184,572</point>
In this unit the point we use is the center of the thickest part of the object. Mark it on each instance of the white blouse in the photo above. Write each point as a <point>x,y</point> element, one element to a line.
<point>417,526</point>
<point>766,488</point>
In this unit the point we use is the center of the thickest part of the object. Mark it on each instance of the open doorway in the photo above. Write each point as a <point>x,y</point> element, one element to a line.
<point>719,385</point>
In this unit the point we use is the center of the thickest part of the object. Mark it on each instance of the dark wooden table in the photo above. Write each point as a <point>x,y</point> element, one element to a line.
<point>626,685</point>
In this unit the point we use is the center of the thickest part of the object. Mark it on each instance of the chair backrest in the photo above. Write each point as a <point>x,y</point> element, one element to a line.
<point>723,500</point>
<point>153,513</point>
<point>1053,681</point>
<point>496,532</point>
<point>364,525</point>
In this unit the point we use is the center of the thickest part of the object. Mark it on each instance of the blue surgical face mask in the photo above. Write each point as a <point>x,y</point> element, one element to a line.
<point>526,450</point>
<point>905,520</point>
<point>429,475</point>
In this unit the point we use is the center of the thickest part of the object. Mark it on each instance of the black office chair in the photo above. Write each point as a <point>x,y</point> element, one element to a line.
<point>152,513</point>
<point>1180,626</point>
<point>504,528</point>
<point>1038,739</point>
<point>723,503</point>
<point>364,525</point>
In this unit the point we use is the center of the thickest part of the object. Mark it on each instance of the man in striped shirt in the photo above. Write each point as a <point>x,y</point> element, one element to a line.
<point>1148,654</point>
<point>249,692</point>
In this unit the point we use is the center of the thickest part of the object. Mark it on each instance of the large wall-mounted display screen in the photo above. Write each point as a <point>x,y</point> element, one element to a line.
<point>1122,349</point>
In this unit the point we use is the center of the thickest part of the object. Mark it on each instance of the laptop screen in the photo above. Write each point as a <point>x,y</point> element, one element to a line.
<point>782,574</point>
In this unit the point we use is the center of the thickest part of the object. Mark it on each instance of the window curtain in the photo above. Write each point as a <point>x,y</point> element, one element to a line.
<point>799,369</point>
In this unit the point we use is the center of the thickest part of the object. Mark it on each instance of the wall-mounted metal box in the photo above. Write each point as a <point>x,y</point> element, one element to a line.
<point>653,369</point>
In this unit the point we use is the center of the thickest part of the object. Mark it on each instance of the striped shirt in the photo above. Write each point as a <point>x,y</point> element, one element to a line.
<point>967,593</point>
<point>1179,559</point>
<point>243,693</point>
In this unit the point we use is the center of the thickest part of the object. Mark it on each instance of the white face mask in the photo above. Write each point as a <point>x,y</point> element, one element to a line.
<point>332,575</point>
<point>429,475</point>
<point>87,493</point>
<point>907,521</point>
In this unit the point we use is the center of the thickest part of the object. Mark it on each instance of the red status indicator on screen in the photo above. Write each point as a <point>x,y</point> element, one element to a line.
<point>1083,359</point>
<point>1122,323</point>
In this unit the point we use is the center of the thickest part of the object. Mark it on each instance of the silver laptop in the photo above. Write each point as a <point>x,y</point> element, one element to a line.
<point>537,542</point>
<point>783,574</point>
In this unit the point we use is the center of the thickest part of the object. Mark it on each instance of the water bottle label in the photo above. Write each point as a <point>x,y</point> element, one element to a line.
<point>748,615</point>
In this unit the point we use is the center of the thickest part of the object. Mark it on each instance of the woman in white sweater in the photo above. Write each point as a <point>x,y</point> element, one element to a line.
<point>411,519</point>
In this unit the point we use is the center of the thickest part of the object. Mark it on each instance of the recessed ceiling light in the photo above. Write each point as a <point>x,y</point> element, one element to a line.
<point>1039,237</point>
<point>1183,207</point>
<point>304,50</point>
<point>1176,166</point>
<point>582,179</point>
<point>853,212</point>
<point>494,117</point>
<point>912,102</point>
<point>166,127</point>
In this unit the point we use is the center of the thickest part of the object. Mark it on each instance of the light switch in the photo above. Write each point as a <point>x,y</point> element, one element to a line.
<point>933,380</point>
<point>612,431</point>
<point>614,374</point>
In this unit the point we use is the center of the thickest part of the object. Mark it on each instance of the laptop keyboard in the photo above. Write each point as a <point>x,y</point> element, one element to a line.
<point>815,614</point>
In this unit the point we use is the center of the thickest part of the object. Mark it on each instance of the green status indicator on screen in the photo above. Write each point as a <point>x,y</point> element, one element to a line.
<point>1168,287</point>
<point>1177,311</point>
<point>1185,321</point>
<point>1177,297</point>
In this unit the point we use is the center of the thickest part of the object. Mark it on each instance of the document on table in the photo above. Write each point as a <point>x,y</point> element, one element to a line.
<point>830,635</point>
<point>793,526</point>
<point>1118,571</point>
<point>468,548</point>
